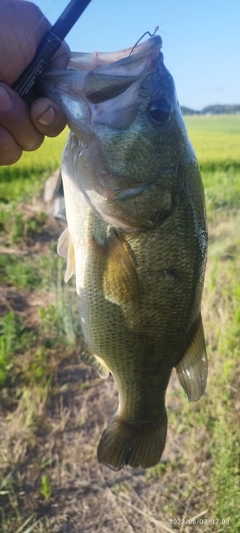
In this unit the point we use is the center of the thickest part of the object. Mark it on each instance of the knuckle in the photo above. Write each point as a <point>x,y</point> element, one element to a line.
<point>33,143</point>
<point>10,151</point>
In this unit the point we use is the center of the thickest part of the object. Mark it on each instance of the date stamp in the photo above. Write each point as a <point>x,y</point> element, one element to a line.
<point>200,521</point>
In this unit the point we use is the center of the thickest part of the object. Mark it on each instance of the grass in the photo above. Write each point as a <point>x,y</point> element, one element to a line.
<point>28,175</point>
<point>46,489</point>
<point>216,141</point>
<point>53,408</point>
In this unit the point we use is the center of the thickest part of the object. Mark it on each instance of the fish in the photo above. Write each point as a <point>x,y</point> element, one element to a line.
<point>136,238</point>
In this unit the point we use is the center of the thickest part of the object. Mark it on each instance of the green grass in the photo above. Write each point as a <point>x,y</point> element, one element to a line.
<point>216,140</point>
<point>46,489</point>
<point>222,190</point>
<point>27,176</point>
<point>219,124</point>
<point>18,271</point>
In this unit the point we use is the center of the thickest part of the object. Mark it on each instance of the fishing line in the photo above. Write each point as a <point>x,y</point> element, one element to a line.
<point>170,11</point>
<point>28,39</point>
<point>157,27</point>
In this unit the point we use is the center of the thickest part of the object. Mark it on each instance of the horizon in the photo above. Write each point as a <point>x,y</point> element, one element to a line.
<point>211,105</point>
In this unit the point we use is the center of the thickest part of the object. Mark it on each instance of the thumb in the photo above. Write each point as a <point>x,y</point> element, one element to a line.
<point>47,117</point>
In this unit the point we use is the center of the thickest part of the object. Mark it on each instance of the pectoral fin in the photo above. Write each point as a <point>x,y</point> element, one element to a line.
<point>120,279</point>
<point>193,367</point>
<point>65,248</point>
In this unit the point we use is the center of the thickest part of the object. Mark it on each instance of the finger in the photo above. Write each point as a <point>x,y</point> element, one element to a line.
<point>10,151</point>
<point>15,118</point>
<point>47,117</point>
<point>24,24</point>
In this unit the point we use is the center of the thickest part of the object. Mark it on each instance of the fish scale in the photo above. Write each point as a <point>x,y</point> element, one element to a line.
<point>136,239</point>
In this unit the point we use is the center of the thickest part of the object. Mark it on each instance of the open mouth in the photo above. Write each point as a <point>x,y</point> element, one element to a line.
<point>110,74</point>
<point>102,76</point>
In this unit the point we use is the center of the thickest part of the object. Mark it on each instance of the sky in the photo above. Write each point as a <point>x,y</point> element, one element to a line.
<point>201,40</point>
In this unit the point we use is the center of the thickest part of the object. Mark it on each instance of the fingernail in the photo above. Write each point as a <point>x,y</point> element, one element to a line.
<point>5,100</point>
<point>47,117</point>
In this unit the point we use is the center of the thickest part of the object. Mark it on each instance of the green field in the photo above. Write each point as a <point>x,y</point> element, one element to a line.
<point>216,141</point>
<point>27,176</point>
<point>53,408</point>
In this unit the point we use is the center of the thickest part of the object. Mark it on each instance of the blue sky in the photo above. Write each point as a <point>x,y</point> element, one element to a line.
<point>201,40</point>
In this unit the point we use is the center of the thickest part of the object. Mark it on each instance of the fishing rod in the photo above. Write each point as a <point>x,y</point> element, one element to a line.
<point>49,44</point>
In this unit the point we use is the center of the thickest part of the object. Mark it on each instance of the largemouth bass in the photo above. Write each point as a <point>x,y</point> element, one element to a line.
<point>136,238</point>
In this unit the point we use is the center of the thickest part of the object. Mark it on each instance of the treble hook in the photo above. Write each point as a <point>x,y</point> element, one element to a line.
<point>146,33</point>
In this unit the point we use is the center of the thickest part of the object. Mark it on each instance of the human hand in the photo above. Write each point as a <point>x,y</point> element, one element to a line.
<point>22,127</point>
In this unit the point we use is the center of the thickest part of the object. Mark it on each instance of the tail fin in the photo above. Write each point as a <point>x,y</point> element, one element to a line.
<point>135,445</point>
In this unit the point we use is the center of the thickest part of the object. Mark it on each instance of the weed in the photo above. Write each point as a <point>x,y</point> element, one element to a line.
<point>11,333</point>
<point>225,477</point>
<point>46,489</point>
<point>17,230</point>
<point>38,370</point>
<point>19,273</point>
<point>84,385</point>
<point>156,471</point>
<point>29,272</point>
<point>35,224</point>
<point>5,484</point>
<point>22,423</point>
<point>19,227</point>
<point>24,529</point>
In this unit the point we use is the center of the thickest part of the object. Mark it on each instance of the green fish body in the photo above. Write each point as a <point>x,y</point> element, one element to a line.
<point>136,240</point>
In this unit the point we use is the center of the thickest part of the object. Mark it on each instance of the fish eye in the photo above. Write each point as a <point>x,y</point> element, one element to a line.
<point>160,111</point>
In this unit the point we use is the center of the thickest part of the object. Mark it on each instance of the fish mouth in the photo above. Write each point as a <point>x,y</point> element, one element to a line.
<point>111,73</point>
<point>102,87</point>
<point>91,61</point>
